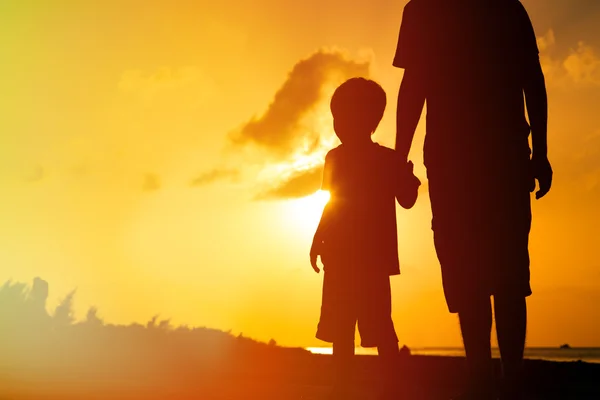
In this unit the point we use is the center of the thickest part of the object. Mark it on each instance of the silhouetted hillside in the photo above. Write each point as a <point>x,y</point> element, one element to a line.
<point>35,343</point>
<point>51,356</point>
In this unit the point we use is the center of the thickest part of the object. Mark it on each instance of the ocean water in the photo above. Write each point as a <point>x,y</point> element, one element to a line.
<point>591,355</point>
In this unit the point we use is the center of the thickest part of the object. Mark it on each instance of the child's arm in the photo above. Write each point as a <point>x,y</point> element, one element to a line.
<point>536,98</point>
<point>319,238</point>
<point>407,185</point>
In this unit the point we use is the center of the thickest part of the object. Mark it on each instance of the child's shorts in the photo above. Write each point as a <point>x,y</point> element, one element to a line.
<point>351,298</point>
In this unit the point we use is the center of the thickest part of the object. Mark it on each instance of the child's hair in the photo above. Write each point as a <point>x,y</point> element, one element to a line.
<point>360,103</point>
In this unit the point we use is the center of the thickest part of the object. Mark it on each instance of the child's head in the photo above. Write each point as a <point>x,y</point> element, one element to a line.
<point>357,106</point>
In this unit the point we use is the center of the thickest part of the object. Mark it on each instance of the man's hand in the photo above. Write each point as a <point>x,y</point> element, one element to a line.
<point>542,172</point>
<point>316,250</point>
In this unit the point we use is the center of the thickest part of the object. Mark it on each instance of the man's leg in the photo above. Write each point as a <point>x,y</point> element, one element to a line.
<point>476,328</point>
<point>511,328</point>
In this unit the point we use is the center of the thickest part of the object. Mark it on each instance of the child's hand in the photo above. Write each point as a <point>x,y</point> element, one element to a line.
<point>407,190</point>
<point>315,251</point>
<point>414,181</point>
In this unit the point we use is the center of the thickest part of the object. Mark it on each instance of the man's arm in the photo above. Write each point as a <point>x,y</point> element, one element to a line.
<point>534,87</point>
<point>411,99</point>
<point>536,99</point>
<point>410,55</point>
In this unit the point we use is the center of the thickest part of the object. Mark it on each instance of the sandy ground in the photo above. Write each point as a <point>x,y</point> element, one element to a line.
<point>298,377</point>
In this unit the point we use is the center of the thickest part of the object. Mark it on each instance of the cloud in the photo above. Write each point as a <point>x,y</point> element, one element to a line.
<point>151,183</point>
<point>35,174</point>
<point>586,163</point>
<point>160,84</point>
<point>296,130</point>
<point>279,129</point>
<point>583,66</point>
<point>580,67</point>
<point>214,175</point>
<point>546,42</point>
<point>300,184</point>
<point>552,67</point>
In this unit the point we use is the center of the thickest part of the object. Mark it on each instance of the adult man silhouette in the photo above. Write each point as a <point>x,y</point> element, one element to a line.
<point>474,62</point>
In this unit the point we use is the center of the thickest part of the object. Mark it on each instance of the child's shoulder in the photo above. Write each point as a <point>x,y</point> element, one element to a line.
<point>384,149</point>
<point>385,153</point>
<point>379,151</point>
<point>334,152</point>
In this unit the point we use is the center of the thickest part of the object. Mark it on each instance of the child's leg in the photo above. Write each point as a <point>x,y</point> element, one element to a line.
<point>343,357</point>
<point>389,356</point>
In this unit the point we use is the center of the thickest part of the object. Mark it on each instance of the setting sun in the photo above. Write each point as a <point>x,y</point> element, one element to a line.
<point>143,163</point>
<point>160,167</point>
<point>306,212</point>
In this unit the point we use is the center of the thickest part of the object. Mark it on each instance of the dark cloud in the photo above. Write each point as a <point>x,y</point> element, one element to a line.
<point>298,185</point>
<point>151,183</point>
<point>286,129</point>
<point>215,175</point>
<point>279,128</point>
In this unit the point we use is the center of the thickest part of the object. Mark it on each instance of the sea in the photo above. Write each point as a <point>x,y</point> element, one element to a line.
<point>590,354</point>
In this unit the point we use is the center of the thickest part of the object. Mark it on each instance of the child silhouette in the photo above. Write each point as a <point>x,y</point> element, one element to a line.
<point>357,235</point>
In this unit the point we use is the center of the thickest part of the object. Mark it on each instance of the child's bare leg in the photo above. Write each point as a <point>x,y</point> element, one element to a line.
<point>389,356</point>
<point>343,355</point>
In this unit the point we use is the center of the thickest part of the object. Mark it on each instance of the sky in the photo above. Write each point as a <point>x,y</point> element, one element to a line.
<point>162,158</point>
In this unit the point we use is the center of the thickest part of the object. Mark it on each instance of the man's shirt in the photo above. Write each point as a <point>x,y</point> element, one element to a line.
<point>471,56</point>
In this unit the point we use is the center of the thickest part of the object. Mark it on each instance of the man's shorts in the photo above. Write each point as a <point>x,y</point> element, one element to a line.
<point>481,224</point>
<point>351,298</point>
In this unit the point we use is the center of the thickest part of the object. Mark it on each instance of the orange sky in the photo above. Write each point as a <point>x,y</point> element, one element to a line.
<point>149,151</point>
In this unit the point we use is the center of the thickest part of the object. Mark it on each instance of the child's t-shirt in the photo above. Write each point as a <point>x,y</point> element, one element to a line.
<point>361,233</point>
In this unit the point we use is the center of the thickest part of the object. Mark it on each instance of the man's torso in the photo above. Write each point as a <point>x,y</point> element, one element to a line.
<point>470,55</point>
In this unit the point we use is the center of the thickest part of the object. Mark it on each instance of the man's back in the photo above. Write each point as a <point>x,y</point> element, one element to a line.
<point>471,56</point>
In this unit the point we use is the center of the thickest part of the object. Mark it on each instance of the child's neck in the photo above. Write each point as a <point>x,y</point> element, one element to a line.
<point>359,142</point>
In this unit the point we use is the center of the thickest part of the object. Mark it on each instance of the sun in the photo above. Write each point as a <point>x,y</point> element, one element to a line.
<point>306,211</point>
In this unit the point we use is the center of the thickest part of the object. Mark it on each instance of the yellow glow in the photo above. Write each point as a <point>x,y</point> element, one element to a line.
<point>160,97</point>
<point>306,212</point>
<point>320,350</point>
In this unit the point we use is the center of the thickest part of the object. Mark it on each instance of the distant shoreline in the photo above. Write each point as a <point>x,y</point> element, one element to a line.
<point>585,354</point>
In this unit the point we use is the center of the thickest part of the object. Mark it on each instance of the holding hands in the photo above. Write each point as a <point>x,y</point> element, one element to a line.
<point>408,185</point>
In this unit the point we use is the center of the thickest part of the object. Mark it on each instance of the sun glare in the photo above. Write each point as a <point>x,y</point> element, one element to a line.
<point>306,211</point>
